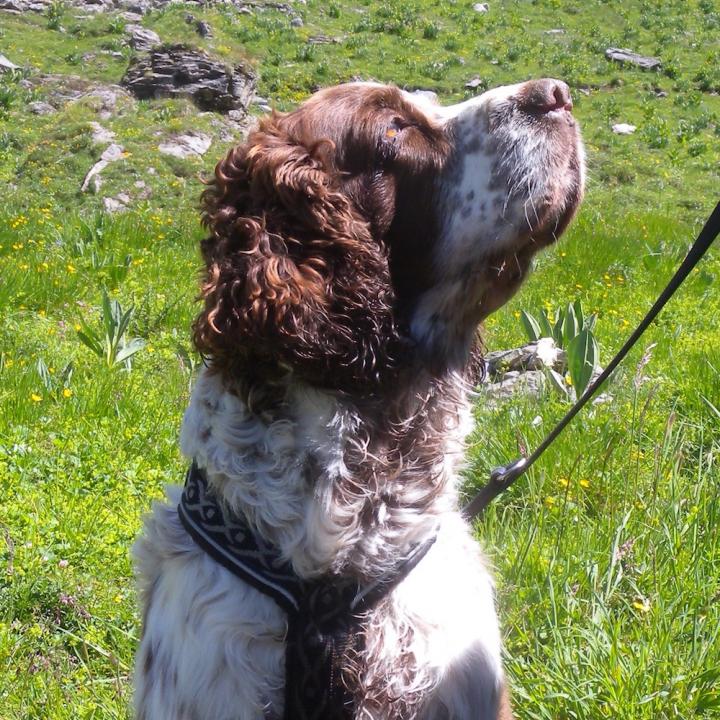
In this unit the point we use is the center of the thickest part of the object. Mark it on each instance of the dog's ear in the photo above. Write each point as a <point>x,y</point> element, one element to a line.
<point>294,279</point>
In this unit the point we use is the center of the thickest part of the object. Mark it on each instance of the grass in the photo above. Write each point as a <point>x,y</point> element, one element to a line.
<point>607,554</point>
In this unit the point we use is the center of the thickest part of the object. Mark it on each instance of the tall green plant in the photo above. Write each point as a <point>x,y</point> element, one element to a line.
<point>571,331</point>
<point>111,343</point>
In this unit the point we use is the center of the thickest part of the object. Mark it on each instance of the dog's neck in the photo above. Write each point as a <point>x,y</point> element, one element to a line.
<point>337,486</point>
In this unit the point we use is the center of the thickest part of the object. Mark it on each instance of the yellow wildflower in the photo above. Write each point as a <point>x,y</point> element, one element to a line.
<point>35,397</point>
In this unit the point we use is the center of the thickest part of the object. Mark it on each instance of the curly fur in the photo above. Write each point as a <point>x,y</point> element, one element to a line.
<point>354,246</point>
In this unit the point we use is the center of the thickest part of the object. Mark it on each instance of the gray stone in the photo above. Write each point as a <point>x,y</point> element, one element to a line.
<point>473,84</point>
<point>555,31</point>
<point>179,71</point>
<point>622,55</point>
<point>534,356</point>
<point>141,38</point>
<point>203,29</point>
<point>114,205</point>
<point>623,129</point>
<point>296,22</point>
<point>110,154</point>
<point>530,383</point>
<point>184,146</point>
<point>101,135</point>
<point>41,108</point>
<point>481,7</point>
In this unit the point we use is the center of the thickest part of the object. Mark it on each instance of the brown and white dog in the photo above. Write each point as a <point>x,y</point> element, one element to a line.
<point>354,246</point>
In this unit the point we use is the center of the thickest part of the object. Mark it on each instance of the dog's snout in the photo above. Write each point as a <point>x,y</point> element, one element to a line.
<point>543,96</point>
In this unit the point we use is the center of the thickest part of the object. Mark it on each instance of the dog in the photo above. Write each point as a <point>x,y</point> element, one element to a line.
<point>354,246</point>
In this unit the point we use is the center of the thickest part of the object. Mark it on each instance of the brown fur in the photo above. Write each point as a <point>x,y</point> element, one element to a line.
<point>299,253</point>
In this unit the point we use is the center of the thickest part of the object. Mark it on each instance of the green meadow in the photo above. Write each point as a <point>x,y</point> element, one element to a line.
<point>607,554</point>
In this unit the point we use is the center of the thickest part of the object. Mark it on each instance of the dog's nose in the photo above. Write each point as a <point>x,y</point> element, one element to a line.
<point>542,96</point>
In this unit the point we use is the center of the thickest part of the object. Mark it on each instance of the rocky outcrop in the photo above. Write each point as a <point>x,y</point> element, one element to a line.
<point>179,71</point>
<point>58,90</point>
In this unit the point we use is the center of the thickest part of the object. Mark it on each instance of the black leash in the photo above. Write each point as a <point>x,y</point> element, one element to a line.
<point>504,476</point>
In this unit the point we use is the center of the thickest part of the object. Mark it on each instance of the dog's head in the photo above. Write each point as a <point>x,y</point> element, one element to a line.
<point>370,231</point>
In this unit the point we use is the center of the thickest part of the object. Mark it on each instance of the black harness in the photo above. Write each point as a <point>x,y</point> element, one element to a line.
<point>325,615</point>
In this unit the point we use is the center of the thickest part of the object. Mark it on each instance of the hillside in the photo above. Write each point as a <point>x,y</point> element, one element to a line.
<point>607,555</point>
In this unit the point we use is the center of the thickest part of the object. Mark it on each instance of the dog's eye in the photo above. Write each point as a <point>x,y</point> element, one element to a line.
<point>389,140</point>
<point>393,129</point>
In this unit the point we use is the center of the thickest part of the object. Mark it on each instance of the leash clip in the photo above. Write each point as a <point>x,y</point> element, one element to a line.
<point>504,475</point>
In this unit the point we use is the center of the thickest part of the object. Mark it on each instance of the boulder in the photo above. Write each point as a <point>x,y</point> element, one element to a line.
<point>625,56</point>
<point>141,38</point>
<point>41,108</point>
<point>185,146</point>
<point>180,71</point>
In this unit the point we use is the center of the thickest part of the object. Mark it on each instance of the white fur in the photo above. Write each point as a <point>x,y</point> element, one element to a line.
<point>217,644</point>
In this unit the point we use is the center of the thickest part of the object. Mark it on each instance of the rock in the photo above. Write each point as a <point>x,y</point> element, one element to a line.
<point>61,89</point>
<point>110,154</point>
<point>179,71</point>
<point>324,40</point>
<point>623,55</point>
<point>6,65</point>
<point>473,84</point>
<point>41,108</point>
<point>101,135</point>
<point>623,129</point>
<point>481,7</point>
<point>530,383</point>
<point>428,94</point>
<point>527,370</point>
<point>141,38</point>
<point>104,101</point>
<point>543,353</point>
<point>184,146</point>
<point>296,22</point>
<point>555,31</point>
<point>203,29</point>
<point>116,204</point>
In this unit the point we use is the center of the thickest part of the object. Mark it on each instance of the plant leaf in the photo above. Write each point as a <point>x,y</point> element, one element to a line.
<point>545,326</point>
<point>45,376</point>
<point>582,355</point>
<point>127,351</point>
<point>579,316</point>
<point>89,339</point>
<point>532,329</point>
<point>558,329</point>
<point>570,325</point>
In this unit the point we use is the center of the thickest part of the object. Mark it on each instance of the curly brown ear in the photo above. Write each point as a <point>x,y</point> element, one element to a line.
<point>294,279</point>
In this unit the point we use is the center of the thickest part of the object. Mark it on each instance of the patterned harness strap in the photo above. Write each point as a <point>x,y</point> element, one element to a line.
<point>324,615</point>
